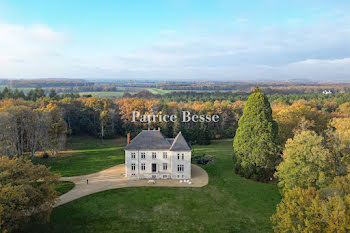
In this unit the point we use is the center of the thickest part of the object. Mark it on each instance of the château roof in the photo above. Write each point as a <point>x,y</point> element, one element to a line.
<point>154,140</point>
<point>180,143</point>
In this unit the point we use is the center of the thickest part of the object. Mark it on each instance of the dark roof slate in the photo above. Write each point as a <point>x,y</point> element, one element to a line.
<point>180,144</point>
<point>154,140</point>
<point>148,140</point>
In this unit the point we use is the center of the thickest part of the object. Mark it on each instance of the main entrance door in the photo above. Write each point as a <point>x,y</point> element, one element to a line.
<point>154,167</point>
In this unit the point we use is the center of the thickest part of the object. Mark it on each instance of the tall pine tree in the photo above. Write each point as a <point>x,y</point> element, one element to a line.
<point>255,142</point>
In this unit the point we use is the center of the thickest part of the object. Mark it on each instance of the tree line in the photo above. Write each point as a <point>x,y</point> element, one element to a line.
<point>108,118</point>
<point>28,129</point>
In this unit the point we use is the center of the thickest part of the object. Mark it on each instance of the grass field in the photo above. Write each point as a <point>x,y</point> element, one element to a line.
<point>106,94</point>
<point>103,94</point>
<point>157,91</point>
<point>87,155</point>
<point>64,186</point>
<point>227,204</point>
<point>24,89</point>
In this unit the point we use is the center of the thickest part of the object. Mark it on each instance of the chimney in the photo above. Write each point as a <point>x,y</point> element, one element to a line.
<point>128,139</point>
<point>159,129</point>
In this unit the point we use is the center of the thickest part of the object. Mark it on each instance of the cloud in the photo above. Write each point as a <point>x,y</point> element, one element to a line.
<point>19,42</point>
<point>313,51</point>
<point>44,33</point>
<point>27,51</point>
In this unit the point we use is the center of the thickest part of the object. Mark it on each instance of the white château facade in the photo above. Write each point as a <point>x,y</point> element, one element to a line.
<point>152,156</point>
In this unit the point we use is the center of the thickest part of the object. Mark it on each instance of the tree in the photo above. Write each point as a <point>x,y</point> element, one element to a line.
<point>255,148</point>
<point>7,135</point>
<point>299,211</point>
<point>338,141</point>
<point>290,118</point>
<point>18,94</point>
<point>166,126</point>
<point>36,131</point>
<point>177,125</point>
<point>53,94</point>
<point>311,210</point>
<point>203,137</point>
<point>26,193</point>
<point>306,162</point>
<point>35,94</point>
<point>55,129</point>
<point>345,109</point>
<point>21,123</point>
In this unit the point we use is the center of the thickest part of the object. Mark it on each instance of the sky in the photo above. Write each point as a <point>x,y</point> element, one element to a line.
<point>175,39</point>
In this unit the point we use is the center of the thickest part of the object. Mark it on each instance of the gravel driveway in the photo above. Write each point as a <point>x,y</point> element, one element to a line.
<point>114,177</point>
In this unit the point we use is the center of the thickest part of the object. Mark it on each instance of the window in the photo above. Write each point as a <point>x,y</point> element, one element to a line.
<point>165,166</point>
<point>143,166</point>
<point>133,167</point>
<point>154,155</point>
<point>154,176</point>
<point>133,174</point>
<point>183,156</point>
<point>143,155</point>
<point>133,155</point>
<point>180,168</point>
<point>165,176</point>
<point>178,156</point>
<point>165,155</point>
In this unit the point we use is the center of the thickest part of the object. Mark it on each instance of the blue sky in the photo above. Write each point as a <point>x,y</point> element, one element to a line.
<point>175,39</point>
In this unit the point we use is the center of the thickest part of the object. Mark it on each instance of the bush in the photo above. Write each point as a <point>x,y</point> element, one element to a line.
<point>45,155</point>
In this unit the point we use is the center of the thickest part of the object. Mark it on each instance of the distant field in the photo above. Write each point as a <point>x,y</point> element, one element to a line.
<point>116,94</point>
<point>103,94</point>
<point>158,91</point>
<point>161,91</point>
<point>24,89</point>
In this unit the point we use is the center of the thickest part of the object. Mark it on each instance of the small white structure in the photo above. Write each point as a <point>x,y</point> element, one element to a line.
<point>327,92</point>
<point>152,156</point>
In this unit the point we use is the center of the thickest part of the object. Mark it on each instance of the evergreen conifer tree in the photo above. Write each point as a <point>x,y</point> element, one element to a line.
<point>255,142</point>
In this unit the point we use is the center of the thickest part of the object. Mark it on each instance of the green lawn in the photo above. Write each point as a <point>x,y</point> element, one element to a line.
<point>87,155</point>
<point>227,204</point>
<point>63,186</point>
